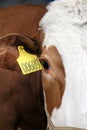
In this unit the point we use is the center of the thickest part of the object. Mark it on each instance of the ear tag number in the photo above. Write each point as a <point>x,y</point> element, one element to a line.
<point>28,63</point>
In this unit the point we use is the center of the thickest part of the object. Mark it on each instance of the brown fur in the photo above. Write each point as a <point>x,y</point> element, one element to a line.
<point>54,85</point>
<point>21,96</point>
<point>22,19</point>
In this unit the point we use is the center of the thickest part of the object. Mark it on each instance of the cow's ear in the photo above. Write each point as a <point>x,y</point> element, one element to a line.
<point>32,43</point>
<point>9,49</point>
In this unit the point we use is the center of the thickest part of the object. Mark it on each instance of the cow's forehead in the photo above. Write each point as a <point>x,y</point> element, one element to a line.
<point>65,22</point>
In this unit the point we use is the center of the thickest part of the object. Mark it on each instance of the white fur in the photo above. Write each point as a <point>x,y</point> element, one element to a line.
<point>65,26</point>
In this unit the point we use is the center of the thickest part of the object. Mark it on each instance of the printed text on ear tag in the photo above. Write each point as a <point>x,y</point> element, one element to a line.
<point>28,63</point>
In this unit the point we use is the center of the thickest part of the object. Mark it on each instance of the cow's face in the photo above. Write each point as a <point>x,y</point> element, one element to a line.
<point>53,77</point>
<point>65,41</point>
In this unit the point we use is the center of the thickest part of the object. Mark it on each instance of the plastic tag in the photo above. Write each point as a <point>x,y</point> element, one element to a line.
<point>28,63</point>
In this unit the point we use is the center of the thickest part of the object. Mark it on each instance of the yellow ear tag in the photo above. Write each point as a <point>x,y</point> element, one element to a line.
<point>28,62</point>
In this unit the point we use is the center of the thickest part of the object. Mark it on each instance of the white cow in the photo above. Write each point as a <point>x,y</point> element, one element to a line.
<point>64,59</point>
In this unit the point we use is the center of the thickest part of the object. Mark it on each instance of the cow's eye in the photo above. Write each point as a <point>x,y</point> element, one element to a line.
<point>45,64</point>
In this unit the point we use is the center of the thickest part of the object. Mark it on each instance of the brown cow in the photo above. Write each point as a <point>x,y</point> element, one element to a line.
<point>21,96</point>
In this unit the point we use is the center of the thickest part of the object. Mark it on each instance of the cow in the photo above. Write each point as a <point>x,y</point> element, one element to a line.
<point>21,96</point>
<point>64,60</point>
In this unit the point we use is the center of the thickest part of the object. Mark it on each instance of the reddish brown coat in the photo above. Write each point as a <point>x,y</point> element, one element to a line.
<point>21,96</point>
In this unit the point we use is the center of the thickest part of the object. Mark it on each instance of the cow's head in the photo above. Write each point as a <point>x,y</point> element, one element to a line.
<point>22,93</point>
<point>64,48</point>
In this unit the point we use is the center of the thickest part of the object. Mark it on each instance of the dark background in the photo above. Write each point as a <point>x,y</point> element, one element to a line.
<point>5,3</point>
